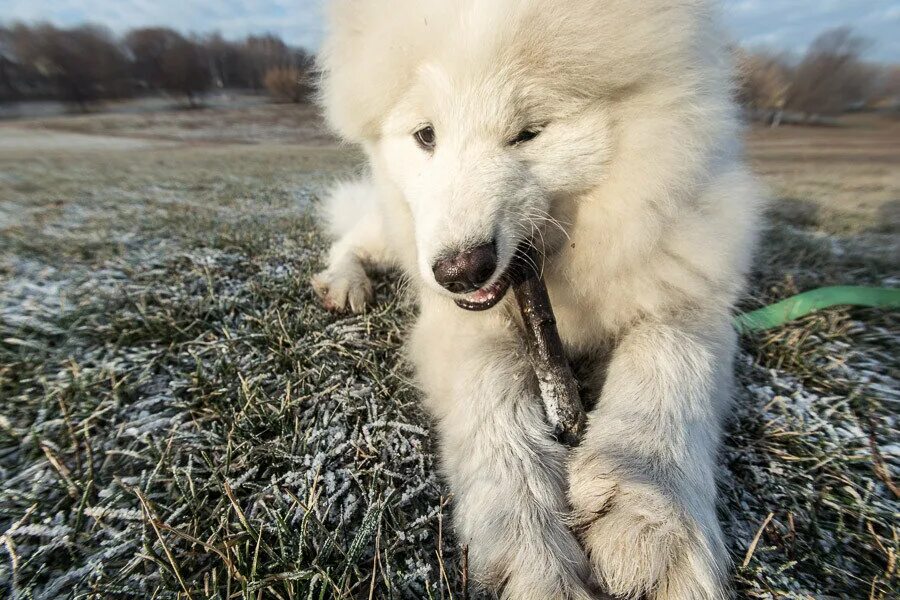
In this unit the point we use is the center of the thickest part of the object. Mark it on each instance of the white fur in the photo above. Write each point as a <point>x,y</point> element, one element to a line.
<point>635,191</point>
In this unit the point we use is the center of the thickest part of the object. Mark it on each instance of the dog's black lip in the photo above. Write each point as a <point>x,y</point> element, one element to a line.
<point>480,306</point>
<point>518,269</point>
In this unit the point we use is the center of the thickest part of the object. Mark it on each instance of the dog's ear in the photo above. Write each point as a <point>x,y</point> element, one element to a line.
<point>371,50</point>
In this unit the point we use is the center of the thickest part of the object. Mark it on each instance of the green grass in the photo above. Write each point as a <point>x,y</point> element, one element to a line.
<point>179,418</point>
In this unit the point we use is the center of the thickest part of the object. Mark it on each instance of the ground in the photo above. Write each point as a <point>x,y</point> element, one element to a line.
<point>179,418</point>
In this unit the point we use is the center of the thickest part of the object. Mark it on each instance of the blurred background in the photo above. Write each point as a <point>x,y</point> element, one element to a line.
<point>180,419</point>
<point>799,59</point>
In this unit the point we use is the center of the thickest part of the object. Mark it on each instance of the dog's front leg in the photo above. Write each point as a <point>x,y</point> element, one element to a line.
<point>352,214</point>
<point>506,473</point>
<point>642,480</point>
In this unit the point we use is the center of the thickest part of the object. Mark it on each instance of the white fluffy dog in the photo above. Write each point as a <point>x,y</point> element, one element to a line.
<point>603,132</point>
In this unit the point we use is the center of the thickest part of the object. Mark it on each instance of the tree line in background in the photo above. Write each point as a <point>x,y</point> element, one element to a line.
<point>88,63</point>
<point>830,79</point>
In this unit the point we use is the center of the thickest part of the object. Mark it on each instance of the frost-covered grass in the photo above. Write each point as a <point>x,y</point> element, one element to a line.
<point>178,418</point>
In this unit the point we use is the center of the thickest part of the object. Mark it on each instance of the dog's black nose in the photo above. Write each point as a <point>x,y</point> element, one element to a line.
<point>468,270</point>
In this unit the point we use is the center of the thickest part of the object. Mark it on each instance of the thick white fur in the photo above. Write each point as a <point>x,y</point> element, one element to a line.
<point>636,191</point>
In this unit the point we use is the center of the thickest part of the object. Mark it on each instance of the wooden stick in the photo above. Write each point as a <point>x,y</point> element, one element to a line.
<point>559,389</point>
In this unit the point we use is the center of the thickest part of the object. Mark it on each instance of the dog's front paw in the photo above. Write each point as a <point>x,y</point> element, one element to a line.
<point>530,559</point>
<point>343,286</point>
<point>549,579</point>
<point>641,542</point>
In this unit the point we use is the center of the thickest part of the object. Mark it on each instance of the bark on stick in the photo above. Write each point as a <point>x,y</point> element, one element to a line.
<point>559,389</point>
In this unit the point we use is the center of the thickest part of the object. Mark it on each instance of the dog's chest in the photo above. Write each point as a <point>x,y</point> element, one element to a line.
<point>587,319</point>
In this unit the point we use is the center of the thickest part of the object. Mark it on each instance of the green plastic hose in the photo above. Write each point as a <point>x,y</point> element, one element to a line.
<point>813,300</point>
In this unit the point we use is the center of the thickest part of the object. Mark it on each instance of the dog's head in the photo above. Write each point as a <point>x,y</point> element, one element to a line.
<point>481,158</point>
<point>492,118</point>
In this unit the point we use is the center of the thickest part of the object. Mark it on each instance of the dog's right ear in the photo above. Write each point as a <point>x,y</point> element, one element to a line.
<point>367,61</point>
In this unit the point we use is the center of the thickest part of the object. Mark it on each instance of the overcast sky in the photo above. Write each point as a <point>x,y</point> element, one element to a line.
<point>778,24</point>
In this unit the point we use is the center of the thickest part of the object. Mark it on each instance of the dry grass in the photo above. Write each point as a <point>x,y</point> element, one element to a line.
<point>180,419</point>
<point>247,122</point>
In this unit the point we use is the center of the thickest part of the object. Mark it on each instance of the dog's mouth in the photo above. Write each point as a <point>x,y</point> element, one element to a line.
<point>490,295</point>
<point>486,297</point>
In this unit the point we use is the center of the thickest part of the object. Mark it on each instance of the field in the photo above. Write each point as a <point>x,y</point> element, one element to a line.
<point>180,419</point>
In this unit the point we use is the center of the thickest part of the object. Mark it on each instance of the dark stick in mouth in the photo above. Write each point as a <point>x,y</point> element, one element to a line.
<point>559,389</point>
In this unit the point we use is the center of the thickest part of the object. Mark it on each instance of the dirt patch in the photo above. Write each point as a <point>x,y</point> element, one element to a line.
<point>848,176</point>
<point>20,140</point>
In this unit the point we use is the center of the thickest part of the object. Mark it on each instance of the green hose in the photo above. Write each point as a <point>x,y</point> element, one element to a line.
<point>813,300</point>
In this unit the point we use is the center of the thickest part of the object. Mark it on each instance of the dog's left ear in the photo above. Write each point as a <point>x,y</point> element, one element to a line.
<point>367,61</point>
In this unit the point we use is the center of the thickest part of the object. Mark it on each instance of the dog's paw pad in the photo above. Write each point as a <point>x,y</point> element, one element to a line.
<point>344,289</point>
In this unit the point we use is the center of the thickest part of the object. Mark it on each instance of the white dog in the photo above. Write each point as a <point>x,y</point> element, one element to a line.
<point>604,132</point>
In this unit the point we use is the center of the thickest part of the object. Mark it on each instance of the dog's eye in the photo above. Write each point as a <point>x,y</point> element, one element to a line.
<point>526,135</point>
<point>426,138</point>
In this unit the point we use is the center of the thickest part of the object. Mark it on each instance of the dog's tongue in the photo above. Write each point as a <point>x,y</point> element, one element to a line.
<point>486,297</point>
<point>484,294</point>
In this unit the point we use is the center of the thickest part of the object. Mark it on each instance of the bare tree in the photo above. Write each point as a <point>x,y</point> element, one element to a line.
<point>147,47</point>
<point>262,53</point>
<point>763,80</point>
<point>186,69</point>
<point>831,76</point>
<point>886,92</point>
<point>286,84</point>
<point>8,67</point>
<point>226,62</point>
<point>84,63</point>
<point>163,59</point>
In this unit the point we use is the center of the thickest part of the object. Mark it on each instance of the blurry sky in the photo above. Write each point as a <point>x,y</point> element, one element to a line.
<point>778,24</point>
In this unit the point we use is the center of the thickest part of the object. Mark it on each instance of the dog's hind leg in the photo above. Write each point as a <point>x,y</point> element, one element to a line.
<point>352,214</point>
<point>506,472</point>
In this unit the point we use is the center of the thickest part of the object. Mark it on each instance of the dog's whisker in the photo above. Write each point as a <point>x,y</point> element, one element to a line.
<point>561,225</point>
<point>551,220</point>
